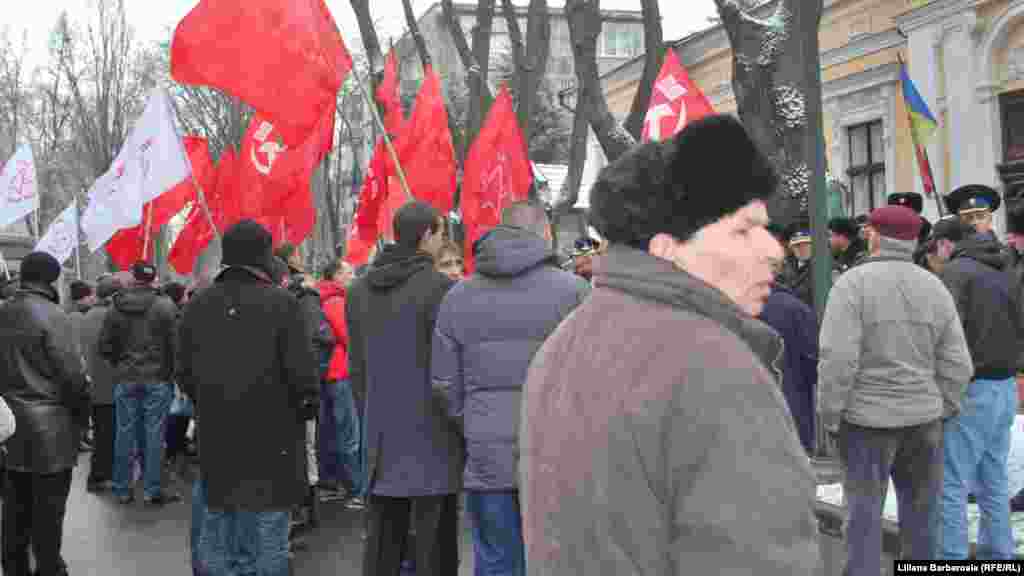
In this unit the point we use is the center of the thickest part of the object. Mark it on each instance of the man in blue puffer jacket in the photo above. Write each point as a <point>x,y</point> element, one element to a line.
<point>488,329</point>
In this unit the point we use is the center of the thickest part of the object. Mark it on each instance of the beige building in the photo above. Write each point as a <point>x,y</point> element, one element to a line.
<point>965,56</point>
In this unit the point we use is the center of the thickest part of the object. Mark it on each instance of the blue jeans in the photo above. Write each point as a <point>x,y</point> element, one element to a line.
<point>141,410</point>
<point>238,543</point>
<point>977,443</point>
<point>497,533</point>
<point>347,434</point>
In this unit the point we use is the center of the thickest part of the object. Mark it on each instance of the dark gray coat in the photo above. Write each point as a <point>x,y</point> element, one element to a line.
<point>103,375</point>
<point>412,447</point>
<point>488,330</point>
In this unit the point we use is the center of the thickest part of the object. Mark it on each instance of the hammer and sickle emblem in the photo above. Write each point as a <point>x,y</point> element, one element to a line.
<point>271,149</point>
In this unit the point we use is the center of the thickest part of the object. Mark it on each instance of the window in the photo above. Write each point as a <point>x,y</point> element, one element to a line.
<point>867,167</point>
<point>1012,107</point>
<point>620,40</point>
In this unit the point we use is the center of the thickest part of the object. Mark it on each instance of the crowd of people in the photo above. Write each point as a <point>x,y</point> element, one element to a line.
<point>650,410</point>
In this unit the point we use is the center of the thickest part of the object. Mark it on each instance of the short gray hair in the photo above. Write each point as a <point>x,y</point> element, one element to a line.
<point>526,214</point>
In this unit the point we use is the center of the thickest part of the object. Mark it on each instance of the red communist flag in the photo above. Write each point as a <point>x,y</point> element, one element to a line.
<point>275,179</point>
<point>221,199</point>
<point>126,246</point>
<point>497,172</point>
<point>285,58</point>
<point>425,150</point>
<point>675,101</point>
<point>387,95</point>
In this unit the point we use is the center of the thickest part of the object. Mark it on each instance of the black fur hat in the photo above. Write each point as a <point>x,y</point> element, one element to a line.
<point>247,243</point>
<point>710,169</point>
<point>845,226</point>
<point>39,268</point>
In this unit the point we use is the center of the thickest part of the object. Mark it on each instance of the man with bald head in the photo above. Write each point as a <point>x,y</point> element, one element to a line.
<point>481,353</point>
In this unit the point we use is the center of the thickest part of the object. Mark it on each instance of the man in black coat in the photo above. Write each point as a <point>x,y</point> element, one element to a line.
<point>247,364</point>
<point>138,340</point>
<point>43,380</point>
<point>414,455</point>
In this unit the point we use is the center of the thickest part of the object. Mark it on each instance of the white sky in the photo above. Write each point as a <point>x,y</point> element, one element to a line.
<point>152,18</point>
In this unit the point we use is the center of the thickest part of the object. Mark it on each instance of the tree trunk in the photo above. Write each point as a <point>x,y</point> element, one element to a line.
<point>584,29</point>
<point>577,158</point>
<point>530,58</point>
<point>368,32</point>
<point>653,56</point>
<point>777,83</point>
<point>473,73</point>
<point>417,36</point>
<point>479,90</point>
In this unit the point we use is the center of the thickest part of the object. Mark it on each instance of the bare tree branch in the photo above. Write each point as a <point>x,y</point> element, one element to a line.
<point>653,56</point>
<point>417,36</point>
<point>479,91</point>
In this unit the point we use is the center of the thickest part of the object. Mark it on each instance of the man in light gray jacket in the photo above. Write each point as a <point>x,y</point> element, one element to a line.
<point>894,363</point>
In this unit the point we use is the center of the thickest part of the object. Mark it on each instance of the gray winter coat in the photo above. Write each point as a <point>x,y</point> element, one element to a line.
<point>656,440</point>
<point>488,329</point>
<point>102,373</point>
<point>893,351</point>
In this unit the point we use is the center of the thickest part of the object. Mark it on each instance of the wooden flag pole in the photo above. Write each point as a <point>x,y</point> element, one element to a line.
<point>913,134</point>
<point>195,182</point>
<point>387,138</point>
<point>146,231</point>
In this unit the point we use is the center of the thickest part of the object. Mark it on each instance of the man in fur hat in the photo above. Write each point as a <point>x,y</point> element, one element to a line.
<point>915,202</point>
<point>695,466</point>
<point>846,243</point>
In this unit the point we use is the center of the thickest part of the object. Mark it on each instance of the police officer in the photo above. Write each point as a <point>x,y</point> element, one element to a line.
<point>974,204</point>
<point>796,274</point>
<point>915,202</point>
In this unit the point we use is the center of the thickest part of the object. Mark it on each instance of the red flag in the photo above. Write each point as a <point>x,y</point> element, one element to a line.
<point>357,250</point>
<point>125,247</point>
<point>497,172</point>
<point>285,58</point>
<point>425,147</point>
<point>675,101</point>
<point>387,95</point>
<point>275,179</point>
<point>221,199</point>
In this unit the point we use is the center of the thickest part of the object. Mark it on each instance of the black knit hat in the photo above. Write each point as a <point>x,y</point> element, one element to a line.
<point>844,226</point>
<point>40,268</point>
<point>247,243</point>
<point>710,169</point>
<point>79,290</point>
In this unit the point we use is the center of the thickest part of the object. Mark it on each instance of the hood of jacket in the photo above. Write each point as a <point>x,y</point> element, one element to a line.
<point>645,276</point>
<point>43,290</point>
<point>984,248</point>
<point>330,289</point>
<point>506,251</point>
<point>395,265</point>
<point>135,301</point>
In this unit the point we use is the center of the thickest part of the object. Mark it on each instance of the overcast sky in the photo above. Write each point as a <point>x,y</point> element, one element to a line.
<point>152,18</point>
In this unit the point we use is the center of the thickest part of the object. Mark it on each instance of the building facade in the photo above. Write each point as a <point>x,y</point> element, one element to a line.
<point>966,58</point>
<point>621,40</point>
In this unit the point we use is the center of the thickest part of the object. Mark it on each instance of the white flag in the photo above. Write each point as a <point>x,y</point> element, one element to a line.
<point>151,162</point>
<point>18,194</point>
<point>61,237</point>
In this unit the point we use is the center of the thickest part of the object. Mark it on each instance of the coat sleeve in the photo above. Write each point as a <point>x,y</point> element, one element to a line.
<point>68,366</point>
<point>356,354</point>
<point>958,285</point>
<point>839,360</point>
<point>183,359</point>
<point>297,357</point>
<point>169,322</point>
<point>953,365</point>
<point>740,490</point>
<point>110,341</point>
<point>446,365</point>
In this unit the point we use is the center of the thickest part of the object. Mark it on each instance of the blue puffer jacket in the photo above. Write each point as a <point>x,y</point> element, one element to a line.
<point>488,329</point>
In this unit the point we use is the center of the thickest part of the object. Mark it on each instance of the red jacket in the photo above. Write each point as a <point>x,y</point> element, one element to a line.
<point>332,298</point>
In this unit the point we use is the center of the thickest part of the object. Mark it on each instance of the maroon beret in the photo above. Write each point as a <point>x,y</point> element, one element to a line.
<point>895,222</point>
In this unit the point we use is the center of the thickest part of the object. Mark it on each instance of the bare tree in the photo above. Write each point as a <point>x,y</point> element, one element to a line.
<point>585,20</point>
<point>777,82</point>
<point>417,36</point>
<point>479,91</point>
<point>530,59</point>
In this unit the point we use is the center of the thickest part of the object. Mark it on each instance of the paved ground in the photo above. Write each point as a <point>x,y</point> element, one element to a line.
<point>102,538</point>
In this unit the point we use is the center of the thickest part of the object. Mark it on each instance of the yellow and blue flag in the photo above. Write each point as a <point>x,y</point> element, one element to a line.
<point>922,127</point>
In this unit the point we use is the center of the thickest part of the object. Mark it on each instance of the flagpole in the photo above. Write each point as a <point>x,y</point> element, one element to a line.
<point>387,139</point>
<point>149,224</point>
<point>195,182</point>
<point>913,137</point>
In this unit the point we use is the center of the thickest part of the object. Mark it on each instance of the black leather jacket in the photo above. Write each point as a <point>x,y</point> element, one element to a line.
<point>139,335</point>
<point>43,381</point>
